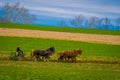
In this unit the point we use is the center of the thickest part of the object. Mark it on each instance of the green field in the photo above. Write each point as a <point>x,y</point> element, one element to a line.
<point>17,70</point>
<point>60,29</point>
<point>90,50</point>
<point>29,70</point>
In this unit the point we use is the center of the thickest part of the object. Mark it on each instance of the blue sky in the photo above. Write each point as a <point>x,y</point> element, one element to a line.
<point>49,12</point>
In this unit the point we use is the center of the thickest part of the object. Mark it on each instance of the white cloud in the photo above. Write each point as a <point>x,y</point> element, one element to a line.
<point>1,4</point>
<point>59,12</point>
<point>69,8</point>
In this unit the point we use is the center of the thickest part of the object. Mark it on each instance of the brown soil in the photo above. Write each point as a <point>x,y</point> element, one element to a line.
<point>108,39</point>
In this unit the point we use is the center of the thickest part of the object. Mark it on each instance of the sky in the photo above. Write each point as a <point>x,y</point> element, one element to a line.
<point>50,12</point>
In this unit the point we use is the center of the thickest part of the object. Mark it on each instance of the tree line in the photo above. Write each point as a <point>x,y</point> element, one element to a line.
<point>15,14</point>
<point>81,21</point>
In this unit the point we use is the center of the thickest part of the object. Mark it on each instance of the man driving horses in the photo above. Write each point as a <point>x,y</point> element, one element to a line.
<point>19,51</point>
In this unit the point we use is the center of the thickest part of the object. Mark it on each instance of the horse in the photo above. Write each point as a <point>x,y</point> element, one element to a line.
<point>42,53</point>
<point>69,54</point>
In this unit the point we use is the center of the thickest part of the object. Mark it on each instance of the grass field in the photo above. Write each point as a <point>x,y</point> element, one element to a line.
<point>17,70</point>
<point>90,50</point>
<point>60,29</point>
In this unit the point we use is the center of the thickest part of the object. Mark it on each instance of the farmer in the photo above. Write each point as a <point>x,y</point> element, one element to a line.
<point>19,52</point>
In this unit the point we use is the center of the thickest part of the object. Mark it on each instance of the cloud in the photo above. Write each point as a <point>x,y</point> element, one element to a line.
<point>69,13</point>
<point>70,8</point>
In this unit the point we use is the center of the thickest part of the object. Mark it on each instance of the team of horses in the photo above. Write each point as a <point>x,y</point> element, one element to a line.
<point>68,55</point>
<point>44,54</point>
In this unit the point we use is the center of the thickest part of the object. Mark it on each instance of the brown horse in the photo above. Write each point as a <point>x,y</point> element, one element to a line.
<point>69,54</point>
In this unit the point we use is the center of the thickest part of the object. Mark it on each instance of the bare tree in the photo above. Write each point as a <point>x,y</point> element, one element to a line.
<point>5,13</point>
<point>106,22</point>
<point>117,21</point>
<point>62,23</point>
<point>99,23</point>
<point>78,21</point>
<point>92,21</point>
<point>16,14</point>
<point>86,23</point>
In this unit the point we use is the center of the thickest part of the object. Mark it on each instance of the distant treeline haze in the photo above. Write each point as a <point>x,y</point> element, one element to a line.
<point>15,14</point>
<point>81,21</point>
